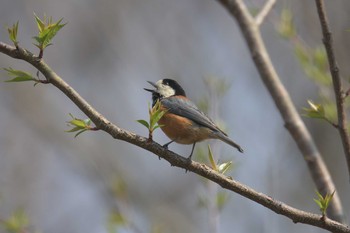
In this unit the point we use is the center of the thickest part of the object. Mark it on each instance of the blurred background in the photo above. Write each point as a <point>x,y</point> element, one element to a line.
<point>107,52</point>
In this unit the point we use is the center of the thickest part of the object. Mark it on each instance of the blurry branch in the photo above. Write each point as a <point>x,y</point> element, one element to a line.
<point>174,159</point>
<point>290,115</point>
<point>259,19</point>
<point>213,198</point>
<point>337,85</point>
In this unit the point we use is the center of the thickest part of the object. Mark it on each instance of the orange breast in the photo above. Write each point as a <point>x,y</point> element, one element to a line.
<point>183,130</point>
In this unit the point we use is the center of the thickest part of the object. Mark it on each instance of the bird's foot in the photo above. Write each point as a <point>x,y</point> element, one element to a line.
<point>188,161</point>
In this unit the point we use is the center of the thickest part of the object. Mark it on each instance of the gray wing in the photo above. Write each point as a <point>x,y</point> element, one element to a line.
<point>186,108</point>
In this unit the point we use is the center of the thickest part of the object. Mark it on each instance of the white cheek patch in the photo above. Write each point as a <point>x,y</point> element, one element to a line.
<point>159,83</point>
<point>166,91</point>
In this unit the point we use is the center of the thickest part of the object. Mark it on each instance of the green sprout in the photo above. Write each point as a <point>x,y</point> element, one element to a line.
<point>155,114</point>
<point>222,167</point>
<point>315,110</point>
<point>17,222</point>
<point>22,76</point>
<point>47,31</point>
<point>323,202</point>
<point>18,75</point>
<point>314,63</point>
<point>325,112</point>
<point>115,221</point>
<point>79,125</point>
<point>286,27</point>
<point>13,33</point>
<point>211,159</point>
<point>222,198</point>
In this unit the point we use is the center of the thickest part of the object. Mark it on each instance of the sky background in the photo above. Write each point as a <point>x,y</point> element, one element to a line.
<point>107,52</point>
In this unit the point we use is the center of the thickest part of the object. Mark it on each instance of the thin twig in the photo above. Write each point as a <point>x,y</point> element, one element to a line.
<point>337,84</point>
<point>331,123</point>
<point>259,19</point>
<point>290,115</point>
<point>102,123</point>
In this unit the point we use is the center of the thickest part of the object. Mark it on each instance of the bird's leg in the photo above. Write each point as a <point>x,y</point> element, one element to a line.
<point>189,157</point>
<point>165,146</point>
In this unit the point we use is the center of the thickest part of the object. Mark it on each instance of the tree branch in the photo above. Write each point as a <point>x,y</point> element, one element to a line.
<point>337,85</point>
<point>259,19</point>
<point>174,159</point>
<point>293,122</point>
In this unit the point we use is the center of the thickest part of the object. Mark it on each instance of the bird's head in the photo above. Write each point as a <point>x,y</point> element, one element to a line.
<point>165,88</point>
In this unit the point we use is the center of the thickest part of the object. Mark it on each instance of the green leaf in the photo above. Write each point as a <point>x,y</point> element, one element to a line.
<point>13,33</point>
<point>211,159</point>
<point>315,110</point>
<point>319,195</point>
<point>79,125</point>
<point>320,76</point>
<point>221,200</point>
<point>51,32</point>
<point>115,220</point>
<point>320,57</point>
<point>157,126</point>
<point>302,54</point>
<point>318,202</point>
<point>73,130</point>
<point>19,75</point>
<point>78,122</point>
<point>312,114</point>
<point>17,222</point>
<point>323,202</point>
<point>143,122</point>
<point>82,124</point>
<point>329,197</point>
<point>156,117</point>
<point>330,109</point>
<point>80,132</point>
<point>224,167</point>
<point>286,27</point>
<point>47,31</point>
<point>40,23</point>
<point>19,79</point>
<point>155,114</point>
<point>119,188</point>
<point>314,63</point>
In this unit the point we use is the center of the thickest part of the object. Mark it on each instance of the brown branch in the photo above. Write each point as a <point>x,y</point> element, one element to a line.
<point>297,216</point>
<point>337,84</point>
<point>293,121</point>
<point>259,19</point>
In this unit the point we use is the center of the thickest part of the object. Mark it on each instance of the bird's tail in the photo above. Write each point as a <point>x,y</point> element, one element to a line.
<point>226,139</point>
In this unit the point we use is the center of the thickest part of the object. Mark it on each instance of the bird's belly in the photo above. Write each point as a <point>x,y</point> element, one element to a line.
<point>183,130</point>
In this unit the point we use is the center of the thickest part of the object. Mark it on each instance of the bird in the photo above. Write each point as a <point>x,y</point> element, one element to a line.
<point>183,122</point>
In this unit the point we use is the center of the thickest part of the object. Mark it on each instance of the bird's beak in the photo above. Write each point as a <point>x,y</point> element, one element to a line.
<point>150,90</point>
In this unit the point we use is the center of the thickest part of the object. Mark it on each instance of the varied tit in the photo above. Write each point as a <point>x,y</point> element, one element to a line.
<point>183,122</point>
